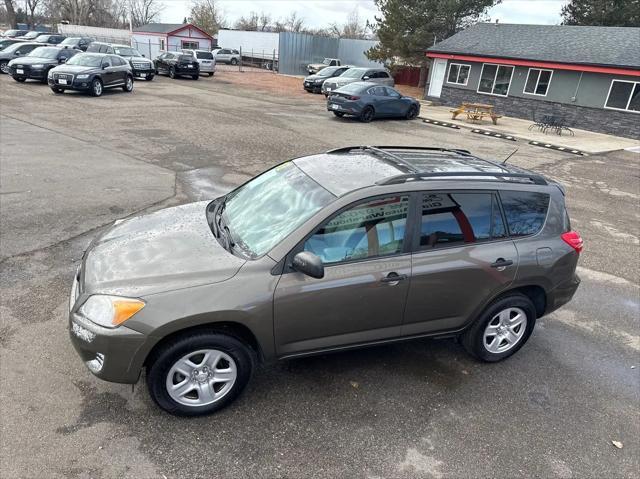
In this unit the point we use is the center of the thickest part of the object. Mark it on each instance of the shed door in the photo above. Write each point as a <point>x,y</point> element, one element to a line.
<point>437,77</point>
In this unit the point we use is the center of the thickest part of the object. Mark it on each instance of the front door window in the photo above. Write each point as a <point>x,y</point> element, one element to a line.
<point>368,230</point>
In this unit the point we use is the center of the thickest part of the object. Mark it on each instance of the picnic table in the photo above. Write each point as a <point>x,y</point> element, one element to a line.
<point>476,112</point>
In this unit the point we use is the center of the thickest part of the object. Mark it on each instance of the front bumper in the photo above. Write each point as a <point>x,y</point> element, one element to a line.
<point>70,82</point>
<point>143,73</point>
<point>29,73</point>
<point>110,354</point>
<point>311,86</point>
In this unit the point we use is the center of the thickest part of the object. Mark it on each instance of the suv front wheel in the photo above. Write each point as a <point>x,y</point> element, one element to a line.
<point>502,329</point>
<point>199,373</point>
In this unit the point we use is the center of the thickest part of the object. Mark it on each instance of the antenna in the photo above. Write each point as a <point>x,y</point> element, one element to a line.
<point>510,155</point>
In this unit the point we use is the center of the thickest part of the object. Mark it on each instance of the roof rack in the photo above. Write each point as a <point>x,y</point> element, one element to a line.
<point>394,180</point>
<point>346,149</point>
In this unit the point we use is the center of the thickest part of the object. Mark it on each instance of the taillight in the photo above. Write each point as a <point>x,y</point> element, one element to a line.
<point>573,239</point>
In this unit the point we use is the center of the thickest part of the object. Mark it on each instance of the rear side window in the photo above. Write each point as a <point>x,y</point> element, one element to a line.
<point>455,219</point>
<point>204,55</point>
<point>525,211</point>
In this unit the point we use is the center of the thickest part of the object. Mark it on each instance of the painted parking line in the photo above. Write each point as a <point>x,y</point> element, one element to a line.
<point>440,123</point>
<point>550,146</point>
<point>493,134</point>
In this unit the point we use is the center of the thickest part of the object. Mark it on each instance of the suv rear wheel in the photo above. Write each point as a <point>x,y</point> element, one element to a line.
<point>128,84</point>
<point>502,329</point>
<point>199,373</point>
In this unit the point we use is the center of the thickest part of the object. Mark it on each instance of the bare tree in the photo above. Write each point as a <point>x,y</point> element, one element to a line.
<point>32,6</point>
<point>249,23</point>
<point>352,28</point>
<point>206,15</point>
<point>11,13</point>
<point>144,11</point>
<point>264,22</point>
<point>292,23</point>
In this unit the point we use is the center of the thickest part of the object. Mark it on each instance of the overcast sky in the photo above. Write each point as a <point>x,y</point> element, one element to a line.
<point>320,13</point>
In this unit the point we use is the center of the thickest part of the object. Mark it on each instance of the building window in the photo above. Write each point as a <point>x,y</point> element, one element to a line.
<point>458,73</point>
<point>190,45</point>
<point>495,79</point>
<point>162,44</point>
<point>624,95</point>
<point>538,81</point>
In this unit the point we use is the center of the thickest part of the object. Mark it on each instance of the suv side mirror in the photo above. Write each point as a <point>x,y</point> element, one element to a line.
<point>308,263</point>
<point>62,60</point>
<point>104,66</point>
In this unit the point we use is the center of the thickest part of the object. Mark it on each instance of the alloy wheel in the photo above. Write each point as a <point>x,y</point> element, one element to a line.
<point>4,67</point>
<point>505,330</point>
<point>201,377</point>
<point>97,87</point>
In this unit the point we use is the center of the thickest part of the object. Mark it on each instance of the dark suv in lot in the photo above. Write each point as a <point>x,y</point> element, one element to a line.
<point>93,73</point>
<point>177,64</point>
<point>355,247</point>
<point>38,62</point>
<point>140,66</point>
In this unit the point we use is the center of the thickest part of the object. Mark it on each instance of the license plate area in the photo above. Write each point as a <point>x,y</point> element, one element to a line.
<point>19,71</point>
<point>62,81</point>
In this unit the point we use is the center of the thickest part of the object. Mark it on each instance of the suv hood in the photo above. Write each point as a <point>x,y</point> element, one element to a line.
<point>32,60</point>
<point>64,68</point>
<point>170,249</point>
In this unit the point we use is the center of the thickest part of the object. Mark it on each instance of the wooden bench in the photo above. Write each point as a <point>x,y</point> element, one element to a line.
<point>476,112</point>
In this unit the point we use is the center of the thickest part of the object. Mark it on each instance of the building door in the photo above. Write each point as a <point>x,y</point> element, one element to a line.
<point>437,77</point>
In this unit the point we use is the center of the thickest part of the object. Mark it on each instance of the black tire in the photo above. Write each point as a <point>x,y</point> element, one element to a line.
<point>148,78</point>
<point>195,77</point>
<point>57,91</point>
<point>412,113</point>
<point>234,61</point>
<point>339,114</point>
<point>172,73</point>
<point>20,79</point>
<point>368,113</point>
<point>163,360</point>
<point>473,338</point>
<point>128,85</point>
<point>97,88</point>
<point>3,67</point>
<point>210,74</point>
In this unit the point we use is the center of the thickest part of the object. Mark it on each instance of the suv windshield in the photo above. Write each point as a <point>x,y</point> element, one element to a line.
<point>264,211</point>
<point>44,52</point>
<point>86,60</point>
<point>126,52</point>
<point>354,73</point>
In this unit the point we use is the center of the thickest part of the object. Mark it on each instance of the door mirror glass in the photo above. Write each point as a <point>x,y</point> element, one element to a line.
<point>366,77</point>
<point>308,263</point>
<point>105,65</point>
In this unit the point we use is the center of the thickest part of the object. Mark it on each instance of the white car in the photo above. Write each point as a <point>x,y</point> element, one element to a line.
<point>205,59</point>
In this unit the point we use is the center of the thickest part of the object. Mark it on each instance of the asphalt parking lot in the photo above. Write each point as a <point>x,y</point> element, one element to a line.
<point>71,164</point>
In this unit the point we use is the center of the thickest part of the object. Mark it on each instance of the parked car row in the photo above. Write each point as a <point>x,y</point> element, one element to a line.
<point>365,93</point>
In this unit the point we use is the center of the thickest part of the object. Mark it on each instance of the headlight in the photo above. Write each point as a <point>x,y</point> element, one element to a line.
<point>82,77</point>
<point>37,66</point>
<point>110,311</point>
<point>50,74</point>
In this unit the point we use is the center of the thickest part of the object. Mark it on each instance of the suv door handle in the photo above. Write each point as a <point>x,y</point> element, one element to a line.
<point>501,263</point>
<point>393,278</point>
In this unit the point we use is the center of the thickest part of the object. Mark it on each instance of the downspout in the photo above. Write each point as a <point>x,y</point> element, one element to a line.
<point>575,94</point>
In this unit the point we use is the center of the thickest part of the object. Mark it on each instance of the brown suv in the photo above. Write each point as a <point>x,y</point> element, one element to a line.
<point>354,247</point>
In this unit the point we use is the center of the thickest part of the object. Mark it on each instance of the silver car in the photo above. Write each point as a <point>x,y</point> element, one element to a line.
<point>374,75</point>
<point>227,55</point>
<point>205,59</point>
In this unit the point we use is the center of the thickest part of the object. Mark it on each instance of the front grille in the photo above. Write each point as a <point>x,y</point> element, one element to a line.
<point>63,76</point>
<point>141,66</point>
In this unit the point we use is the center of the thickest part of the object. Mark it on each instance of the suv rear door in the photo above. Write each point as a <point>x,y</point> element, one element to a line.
<point>361,297</point>
<point>462,258</point>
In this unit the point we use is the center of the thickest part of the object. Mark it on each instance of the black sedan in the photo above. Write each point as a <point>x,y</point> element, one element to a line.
<point>177,64</point>
<point>367,101</point>
<point>15,50</point>
<point>38,62</point>
<point>313,83</point>
<point>91,72</point>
